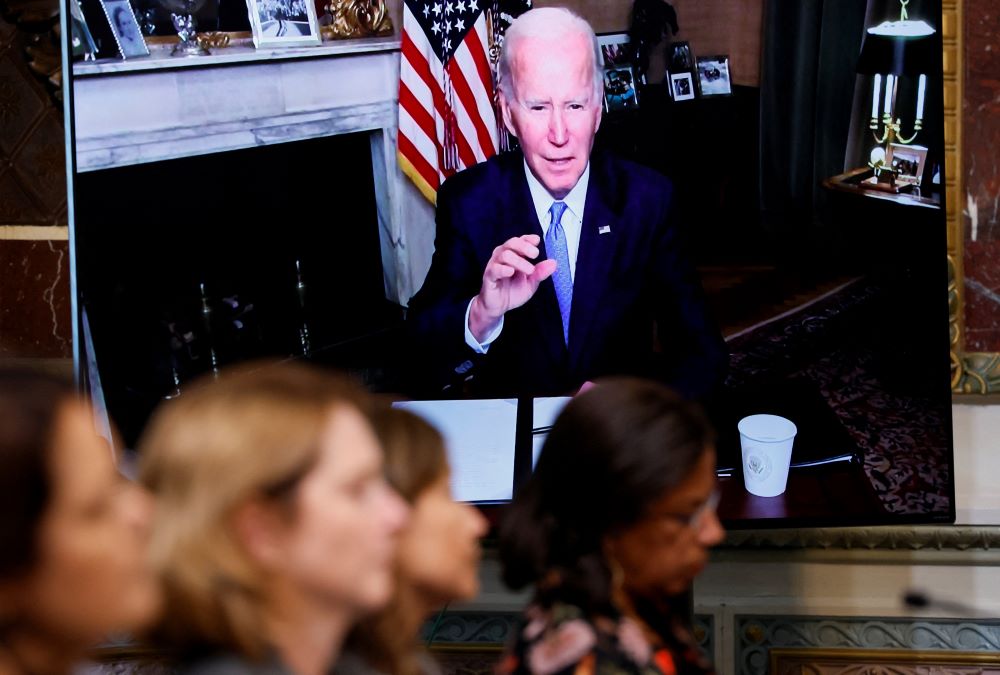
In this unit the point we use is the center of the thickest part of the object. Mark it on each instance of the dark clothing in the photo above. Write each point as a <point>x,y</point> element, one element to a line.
<point>232,664</point>
<point>632,274</point>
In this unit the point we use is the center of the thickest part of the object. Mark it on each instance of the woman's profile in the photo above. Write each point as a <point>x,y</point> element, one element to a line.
<point>437,560</point>
<point>275,529</point>
<point>614,524</point>
<point>74,533</point>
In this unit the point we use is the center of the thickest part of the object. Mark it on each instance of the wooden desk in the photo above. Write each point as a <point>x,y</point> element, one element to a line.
<point>836,494</point>
<point>850,182</point>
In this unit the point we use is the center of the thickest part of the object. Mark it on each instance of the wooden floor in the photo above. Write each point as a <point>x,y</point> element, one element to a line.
<point>742,297</point>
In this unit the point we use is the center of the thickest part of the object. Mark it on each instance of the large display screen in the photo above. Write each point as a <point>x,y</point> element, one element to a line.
<point>832,404</point>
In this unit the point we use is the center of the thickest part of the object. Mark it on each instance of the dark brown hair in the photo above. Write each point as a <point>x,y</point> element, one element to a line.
<point>414,451</point>
<point>29,409</point>
<point>612,453</point>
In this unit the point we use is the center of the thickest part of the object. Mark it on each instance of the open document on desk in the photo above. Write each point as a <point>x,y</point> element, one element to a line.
<point>480,437</point>
<point>544,414</point>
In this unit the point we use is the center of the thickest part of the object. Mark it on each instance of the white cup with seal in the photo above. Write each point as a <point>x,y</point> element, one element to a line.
<point>766,442</point>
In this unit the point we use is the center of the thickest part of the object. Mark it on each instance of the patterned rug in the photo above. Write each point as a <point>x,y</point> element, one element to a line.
<point>903,430</point>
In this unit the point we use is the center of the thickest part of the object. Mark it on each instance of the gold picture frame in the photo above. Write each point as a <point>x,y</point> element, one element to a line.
<point>972,373</point>
<point>808,661</point>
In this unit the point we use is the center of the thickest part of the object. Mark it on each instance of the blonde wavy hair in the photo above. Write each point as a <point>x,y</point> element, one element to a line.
<point>253,434</point>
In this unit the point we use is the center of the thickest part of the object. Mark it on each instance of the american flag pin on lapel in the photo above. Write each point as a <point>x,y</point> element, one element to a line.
<point>603,229</point>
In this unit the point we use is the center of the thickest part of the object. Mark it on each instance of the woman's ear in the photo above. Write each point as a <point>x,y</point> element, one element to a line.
<point>260,528</point>
<point>508,120</point>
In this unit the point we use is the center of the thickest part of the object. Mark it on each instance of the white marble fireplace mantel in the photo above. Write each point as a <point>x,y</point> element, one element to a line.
<point>158,108</point>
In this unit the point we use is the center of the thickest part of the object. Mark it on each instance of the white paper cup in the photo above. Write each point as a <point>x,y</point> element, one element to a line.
<point>766,441</point>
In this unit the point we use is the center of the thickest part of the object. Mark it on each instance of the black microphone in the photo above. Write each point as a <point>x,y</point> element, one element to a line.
<point>915,599</point>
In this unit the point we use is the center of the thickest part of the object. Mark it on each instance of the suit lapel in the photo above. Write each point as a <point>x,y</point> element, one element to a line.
<point>598,240</point>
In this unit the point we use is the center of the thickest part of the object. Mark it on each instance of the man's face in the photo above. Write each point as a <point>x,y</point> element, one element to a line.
<point>553,109</point>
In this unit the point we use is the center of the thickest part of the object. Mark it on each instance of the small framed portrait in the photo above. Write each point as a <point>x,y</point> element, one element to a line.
<point>125,28</point>
<point>284,23</point>
<point>81,41</point>
<point>679,57</point>
<point>682,86</point>
<point>713,76</point>
<point>614,50</point>
<point>906,162</point>
<point>619,89</point>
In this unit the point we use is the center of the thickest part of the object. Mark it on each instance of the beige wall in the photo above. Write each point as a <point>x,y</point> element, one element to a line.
<point>730,27</point>
<point>711,26</point>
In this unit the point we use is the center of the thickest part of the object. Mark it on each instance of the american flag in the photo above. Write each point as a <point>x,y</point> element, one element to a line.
<point>447,112</point>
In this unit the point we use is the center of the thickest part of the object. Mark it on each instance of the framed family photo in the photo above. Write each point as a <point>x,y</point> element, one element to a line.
<point>284,23</point>
<point>713,76</point>
<point>679,57</point>
<point>81,40</point>
<point>682,86</point>
<point>907,163</point>
<point>614,50</point>
<point>619,89</point>
<point>125,28</point>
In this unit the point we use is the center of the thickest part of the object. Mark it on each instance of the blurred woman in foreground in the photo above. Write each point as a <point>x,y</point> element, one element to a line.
<point>614,524</point>
<point>438,556</point>
<point>275,528</point>
<point>73,532</point>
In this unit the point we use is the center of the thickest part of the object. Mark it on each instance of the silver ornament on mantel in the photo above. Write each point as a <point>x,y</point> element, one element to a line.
<point>182,15</point>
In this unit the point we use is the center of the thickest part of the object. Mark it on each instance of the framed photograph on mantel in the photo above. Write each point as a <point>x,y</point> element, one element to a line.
<point>619,89</point>
<point>679,57</point>
<point>284,23</point>
<point>125,28</point>
<point>713,76</point>
<point>614,50</point>
<point>682,86</point>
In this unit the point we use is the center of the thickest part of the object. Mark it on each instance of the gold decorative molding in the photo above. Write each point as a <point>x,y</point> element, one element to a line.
<point>929,538</point>
<point>808,661</point>
<point>34,233</point>
<point>975,373</point>
<point>357,19</point>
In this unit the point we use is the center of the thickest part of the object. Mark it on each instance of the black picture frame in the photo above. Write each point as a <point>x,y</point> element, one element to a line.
<point>680,58</point>
<point>620,92</point>
<point>714,76</point>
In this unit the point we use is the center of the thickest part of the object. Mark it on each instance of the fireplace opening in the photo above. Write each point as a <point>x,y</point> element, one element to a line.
<point>188,265</point>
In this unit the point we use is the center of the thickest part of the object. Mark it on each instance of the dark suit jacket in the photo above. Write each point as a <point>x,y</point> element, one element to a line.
<point>637,302</point>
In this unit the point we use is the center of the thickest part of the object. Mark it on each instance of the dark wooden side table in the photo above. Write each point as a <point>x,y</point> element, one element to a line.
<point>851,181</point>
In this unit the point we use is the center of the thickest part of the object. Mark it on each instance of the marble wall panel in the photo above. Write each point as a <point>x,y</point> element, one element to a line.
<point>34,299</point>
<point>981,139</point>
<point>34,270</point>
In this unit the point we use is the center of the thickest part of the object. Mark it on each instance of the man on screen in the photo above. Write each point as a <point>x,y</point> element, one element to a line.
<point>554,265</point>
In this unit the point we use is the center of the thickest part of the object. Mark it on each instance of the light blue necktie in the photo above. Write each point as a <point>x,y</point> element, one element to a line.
<point>555,246</point>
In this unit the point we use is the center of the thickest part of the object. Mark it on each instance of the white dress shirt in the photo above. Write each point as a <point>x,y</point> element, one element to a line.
<point>572,222</point>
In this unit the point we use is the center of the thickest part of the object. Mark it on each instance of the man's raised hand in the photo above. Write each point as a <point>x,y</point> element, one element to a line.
<point>509,281</point>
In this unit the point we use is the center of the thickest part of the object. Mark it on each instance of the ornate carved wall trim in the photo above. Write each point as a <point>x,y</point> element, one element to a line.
<point>929,538</point>
<point>879,662</point>
<point>853,639</point>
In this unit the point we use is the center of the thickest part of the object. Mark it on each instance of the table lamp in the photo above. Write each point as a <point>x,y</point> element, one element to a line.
<point>893,50</point>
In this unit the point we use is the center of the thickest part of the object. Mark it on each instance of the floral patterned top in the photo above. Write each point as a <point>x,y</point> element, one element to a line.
<point>562,641</point>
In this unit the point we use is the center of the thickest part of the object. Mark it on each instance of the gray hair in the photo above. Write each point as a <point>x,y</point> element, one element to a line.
<point>549,23</point>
